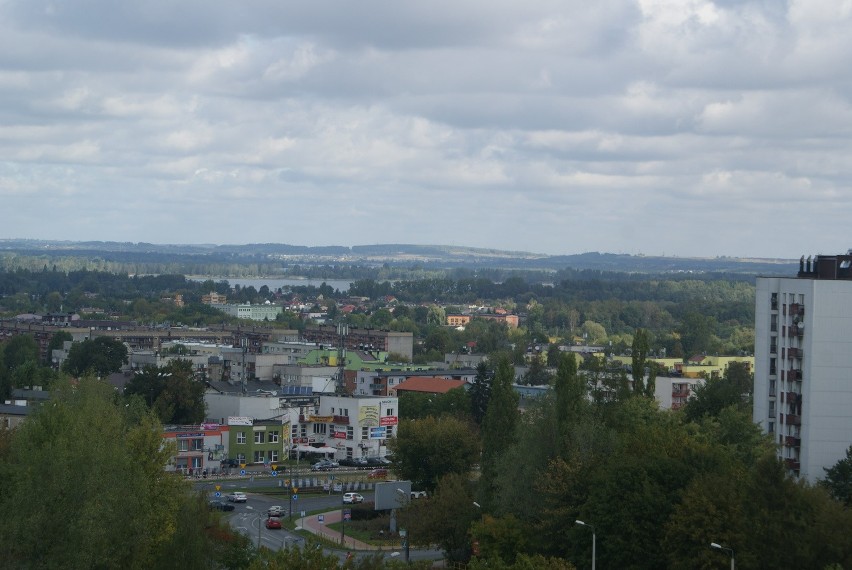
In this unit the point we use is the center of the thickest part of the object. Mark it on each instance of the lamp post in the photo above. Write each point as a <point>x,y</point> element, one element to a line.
<point>730,551</point>
<point>407,532</point>
<point>581,523</point>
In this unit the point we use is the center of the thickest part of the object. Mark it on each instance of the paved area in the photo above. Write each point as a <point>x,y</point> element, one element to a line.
<point>313,525</point>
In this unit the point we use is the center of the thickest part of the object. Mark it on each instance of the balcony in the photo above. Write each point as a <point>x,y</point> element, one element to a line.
<point>773,349</point>
<point>794,353</point>
<point>792,441</point>
<point>792,464</point>
<point>794,375</point>
<point>797,309</point>
<point>797,330</point>
<point>794,420</point>
<point>341,420</point>
<point>794,398</point>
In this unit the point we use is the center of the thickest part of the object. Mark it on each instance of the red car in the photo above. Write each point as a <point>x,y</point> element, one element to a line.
<point>273,522</point>
<point>377,474</point>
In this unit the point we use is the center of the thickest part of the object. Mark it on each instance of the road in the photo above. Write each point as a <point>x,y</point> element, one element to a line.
<point>249,518</point>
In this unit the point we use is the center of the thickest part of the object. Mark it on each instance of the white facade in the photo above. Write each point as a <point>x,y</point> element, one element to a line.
<point>803,369</point>
<point>353,426</point>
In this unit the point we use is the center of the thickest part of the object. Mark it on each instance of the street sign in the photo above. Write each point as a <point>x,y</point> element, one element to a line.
<point>295,497</point>
<point>274,467</point>
<point>295,490</point>
<point>242,465</point>
<point>218,487</point>
<point>275,473</point>
<point>287,482</point>
<point>242,471</point>
<point>217,494</point>
<point>321,518</point>
<point>347,514</point>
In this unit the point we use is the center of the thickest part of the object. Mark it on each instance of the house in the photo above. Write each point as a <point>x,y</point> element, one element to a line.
<point>427,385</point>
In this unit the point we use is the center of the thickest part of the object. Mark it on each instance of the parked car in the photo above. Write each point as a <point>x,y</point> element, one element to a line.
<point>418,494</point>
<point>352,498</point>
<point>380,473</point>
<point>275,511</point>
<point>230,463</point>
<point>220,505</point>
<point>377,462</point>
<point>237,497</point>
<point>357,462</point>
<point>273,522</point>
<point>324,465</point>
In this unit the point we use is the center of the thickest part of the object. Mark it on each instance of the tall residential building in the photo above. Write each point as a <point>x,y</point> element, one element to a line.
<point>803,363</point>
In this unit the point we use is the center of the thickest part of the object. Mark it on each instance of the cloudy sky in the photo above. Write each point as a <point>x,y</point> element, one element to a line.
<point>675,127</point>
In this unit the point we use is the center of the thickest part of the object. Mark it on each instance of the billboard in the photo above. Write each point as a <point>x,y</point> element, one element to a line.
<point>378,432</point>
<point>239,421</point>
<point>388,495</point>
<point>368,415</point>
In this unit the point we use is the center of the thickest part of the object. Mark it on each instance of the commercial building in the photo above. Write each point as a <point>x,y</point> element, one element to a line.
<point>803,363</point>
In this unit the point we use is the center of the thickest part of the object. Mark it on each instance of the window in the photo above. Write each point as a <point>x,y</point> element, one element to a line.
<point>304,430</point>
<point>294,431</point>
<point>344,412</point>
<point>183,445</point>
<point>273,456</point>
<point>258,437</point>
<point>196,463</point>
<point>389,412</point>
<point>350,432</point>
<point>258,456</point>
<point>272,437</point>
<point>321,428</point>
<point>365,432</point>
<point>332,411</point>
<point>197,445</point>
<point>241,458</point>
<point>389,431</point>
<point>241,437</point>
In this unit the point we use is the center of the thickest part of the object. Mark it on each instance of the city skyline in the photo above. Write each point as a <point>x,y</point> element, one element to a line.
<point>656,127</point>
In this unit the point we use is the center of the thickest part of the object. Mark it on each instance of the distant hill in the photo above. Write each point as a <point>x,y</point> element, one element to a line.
<point>427,256</point>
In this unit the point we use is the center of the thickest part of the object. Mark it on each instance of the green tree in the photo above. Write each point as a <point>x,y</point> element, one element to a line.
<point>19,350</point>
<point>734,388</point>
<point>426,450</point>
<point>94,460</point>
<point>638,358</point>
<point>480,392</point>
<point>101,356</point>
<point>498,427</point>
<point>171,391</point>
<point>838,479</point>
<point>445,518</point>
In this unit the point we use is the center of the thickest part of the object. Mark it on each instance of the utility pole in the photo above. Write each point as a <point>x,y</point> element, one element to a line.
<point>342,333</point>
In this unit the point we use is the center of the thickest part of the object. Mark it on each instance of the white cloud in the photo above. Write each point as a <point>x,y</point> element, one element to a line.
<point>546,125</point>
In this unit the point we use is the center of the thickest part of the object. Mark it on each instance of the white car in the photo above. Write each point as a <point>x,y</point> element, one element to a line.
<point>352,498</point>
<point>275,511</point>
<point>237,497</point>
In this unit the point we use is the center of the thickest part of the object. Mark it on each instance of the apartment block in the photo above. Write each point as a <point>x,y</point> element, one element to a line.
<point>803,363</point>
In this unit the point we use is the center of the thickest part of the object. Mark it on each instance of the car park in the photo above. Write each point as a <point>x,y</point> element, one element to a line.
<point>275,511</point>
<point>352,498</point>
<point>220,505</point>
<point>273,522</point>
<point>237,497</point>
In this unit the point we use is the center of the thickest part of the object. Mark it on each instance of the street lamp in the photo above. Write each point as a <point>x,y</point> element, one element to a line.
<point>581,523</point>
<point>407,533</point>
<point>730,551</point>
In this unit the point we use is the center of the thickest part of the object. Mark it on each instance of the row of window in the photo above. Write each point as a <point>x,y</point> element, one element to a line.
<point>271,437</point>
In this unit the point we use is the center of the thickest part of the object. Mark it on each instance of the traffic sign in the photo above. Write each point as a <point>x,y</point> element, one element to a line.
<point>347,514</point>
<point>321,518</point>
<point>287,482</point>
<point>242,465</point>
<point>295,490</point>
<point>275,473</point>
<point>274,467</point>
<point>242,471</point>
<point>217,494</point>
<point>218,487</point>
<point>295,497</point>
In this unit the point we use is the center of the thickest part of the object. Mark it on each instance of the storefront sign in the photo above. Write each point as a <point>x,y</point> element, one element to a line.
<point>389,421</point>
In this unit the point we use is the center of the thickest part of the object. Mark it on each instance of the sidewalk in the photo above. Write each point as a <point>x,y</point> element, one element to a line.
<point>312,524</point>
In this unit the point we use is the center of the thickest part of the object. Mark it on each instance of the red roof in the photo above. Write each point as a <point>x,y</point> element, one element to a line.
<point>429,385</point>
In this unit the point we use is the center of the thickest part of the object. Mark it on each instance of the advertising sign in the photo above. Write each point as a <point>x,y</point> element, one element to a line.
<point>339,435</point>
<point>389,421</point>
<point>378,432</point>
<point>368,415</point>
<point>321,419</point>
<point>239,421</point>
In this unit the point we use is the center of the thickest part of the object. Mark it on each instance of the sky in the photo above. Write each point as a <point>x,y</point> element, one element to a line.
<point>655,127</point>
